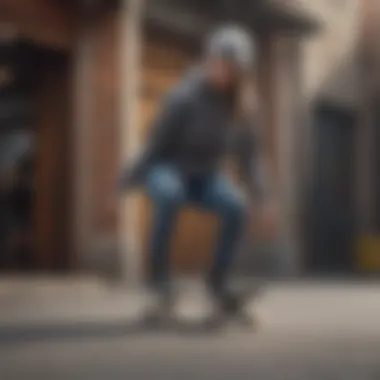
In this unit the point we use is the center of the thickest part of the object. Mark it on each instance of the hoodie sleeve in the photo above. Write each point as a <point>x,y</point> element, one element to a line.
<point>173,114</point>
<point>253,165</point>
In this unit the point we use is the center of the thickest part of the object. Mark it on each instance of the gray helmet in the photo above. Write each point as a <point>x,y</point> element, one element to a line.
<point>232,43</point>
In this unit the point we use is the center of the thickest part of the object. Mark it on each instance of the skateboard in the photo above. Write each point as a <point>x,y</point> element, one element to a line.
<point>159,314</point>
<point>234,310</point>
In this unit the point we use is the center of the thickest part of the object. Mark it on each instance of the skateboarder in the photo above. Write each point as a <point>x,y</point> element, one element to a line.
<point>203,119</point>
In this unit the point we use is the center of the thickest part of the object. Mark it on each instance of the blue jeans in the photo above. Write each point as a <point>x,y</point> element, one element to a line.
<point>170,190</point>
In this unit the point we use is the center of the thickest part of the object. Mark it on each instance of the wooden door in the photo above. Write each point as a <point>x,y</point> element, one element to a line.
<point>164,63</point>
<point>52,126</point>
<point>332,209</point>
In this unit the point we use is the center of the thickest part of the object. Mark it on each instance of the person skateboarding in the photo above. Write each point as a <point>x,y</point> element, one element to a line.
<point>209,115</point>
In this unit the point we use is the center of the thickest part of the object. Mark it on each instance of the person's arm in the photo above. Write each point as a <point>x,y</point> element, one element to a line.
<point>172,115</point>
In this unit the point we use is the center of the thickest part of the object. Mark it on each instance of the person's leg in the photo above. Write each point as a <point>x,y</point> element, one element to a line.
<point>225,199</point>
<point>167,191</point>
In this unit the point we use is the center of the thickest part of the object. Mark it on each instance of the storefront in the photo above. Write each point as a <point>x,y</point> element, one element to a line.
<point>101,60</point>
<point>35,123</point>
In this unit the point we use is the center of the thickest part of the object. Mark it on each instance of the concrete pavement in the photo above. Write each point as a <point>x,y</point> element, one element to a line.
<point>84,331</point>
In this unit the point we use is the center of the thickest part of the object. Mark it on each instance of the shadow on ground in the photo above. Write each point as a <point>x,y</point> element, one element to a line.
<point>33,333</point>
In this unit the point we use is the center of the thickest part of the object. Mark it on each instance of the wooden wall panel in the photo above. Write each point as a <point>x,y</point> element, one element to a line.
<point>164,54</point>
<point>156,80</point>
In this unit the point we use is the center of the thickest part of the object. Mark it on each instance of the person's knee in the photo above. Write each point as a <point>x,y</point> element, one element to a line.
<point>166,188</point>
<point>169,194</point>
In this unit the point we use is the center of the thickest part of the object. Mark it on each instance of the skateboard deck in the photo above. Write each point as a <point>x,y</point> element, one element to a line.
<point>237,313</point>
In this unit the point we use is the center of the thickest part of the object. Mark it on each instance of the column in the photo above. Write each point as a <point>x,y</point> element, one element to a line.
<point>286,118</point>
<point>131,40</point>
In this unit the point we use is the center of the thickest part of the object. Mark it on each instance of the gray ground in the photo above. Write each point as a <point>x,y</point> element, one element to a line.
<point>309,331</point>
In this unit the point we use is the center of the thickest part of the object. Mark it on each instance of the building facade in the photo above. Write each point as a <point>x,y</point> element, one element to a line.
<point>105,67</point>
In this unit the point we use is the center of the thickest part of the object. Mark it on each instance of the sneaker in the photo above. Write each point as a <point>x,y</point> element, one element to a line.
<point>161,308</point>
<point>234,307</point>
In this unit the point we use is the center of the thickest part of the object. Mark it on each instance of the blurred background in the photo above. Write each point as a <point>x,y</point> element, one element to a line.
<point>80,81</point>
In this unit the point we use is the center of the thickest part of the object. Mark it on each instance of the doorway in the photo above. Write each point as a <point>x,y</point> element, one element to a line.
<point>332,200</point>
<point>33,137</point>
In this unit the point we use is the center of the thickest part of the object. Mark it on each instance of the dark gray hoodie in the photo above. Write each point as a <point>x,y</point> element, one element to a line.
<point>195,131</point>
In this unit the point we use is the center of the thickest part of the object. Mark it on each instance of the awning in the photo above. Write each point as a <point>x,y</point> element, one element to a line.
<point>183,18</point>
<point>286,15</point>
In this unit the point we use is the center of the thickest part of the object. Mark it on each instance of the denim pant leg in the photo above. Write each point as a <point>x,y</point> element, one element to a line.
<point>167,191</point>
<point>224,198</point>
